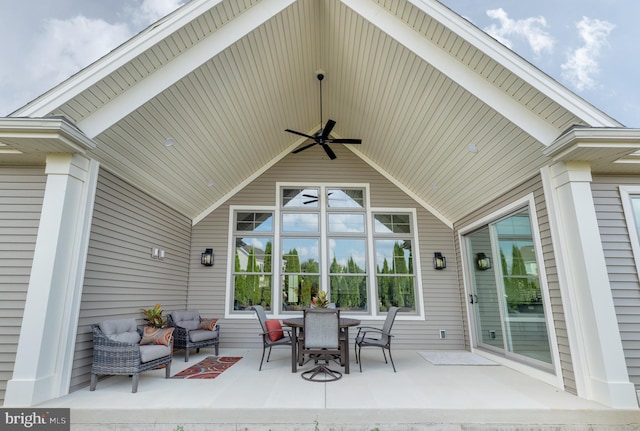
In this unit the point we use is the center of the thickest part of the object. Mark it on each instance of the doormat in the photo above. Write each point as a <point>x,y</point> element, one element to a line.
<point>456,358</point>
<point>209,368</point>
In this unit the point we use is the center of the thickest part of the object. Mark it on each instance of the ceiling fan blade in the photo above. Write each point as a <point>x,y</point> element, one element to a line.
<point>303,148</point>
<point>327,129</point>
<point>300,133</point>
<point>329,151</point>
<point>346,141</point>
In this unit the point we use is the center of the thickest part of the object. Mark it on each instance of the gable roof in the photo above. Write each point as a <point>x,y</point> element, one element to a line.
<point>419,84</point>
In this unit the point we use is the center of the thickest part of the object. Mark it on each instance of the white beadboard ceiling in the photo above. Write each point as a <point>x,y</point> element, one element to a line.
<point>414,81</point>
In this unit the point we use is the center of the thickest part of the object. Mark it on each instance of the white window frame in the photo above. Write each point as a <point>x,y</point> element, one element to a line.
<point>372,313</point>
<point>626,193</point>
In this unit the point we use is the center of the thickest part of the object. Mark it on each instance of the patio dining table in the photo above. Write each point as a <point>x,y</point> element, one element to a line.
<point>297,323</point>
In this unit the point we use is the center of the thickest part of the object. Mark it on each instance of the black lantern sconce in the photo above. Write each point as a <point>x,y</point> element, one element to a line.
<point>206,258</point>
<point>483,262</point>
<point>439,261</point>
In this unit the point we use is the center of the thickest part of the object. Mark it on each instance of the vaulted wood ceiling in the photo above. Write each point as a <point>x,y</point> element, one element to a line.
<point>223,79</point>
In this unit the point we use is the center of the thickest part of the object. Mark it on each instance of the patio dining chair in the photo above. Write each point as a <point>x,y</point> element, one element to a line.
<point>369,336</point>
<point>273,334</point>
<point>322,343</point>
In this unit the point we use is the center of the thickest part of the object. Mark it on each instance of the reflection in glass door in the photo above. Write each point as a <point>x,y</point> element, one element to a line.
<point>506,298</point>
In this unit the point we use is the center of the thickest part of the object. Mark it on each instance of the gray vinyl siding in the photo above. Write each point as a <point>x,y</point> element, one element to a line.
<point>21,196</point>
<point>207,287</point>
<point>121,276</point>
<point>533,185</point>
<point>621,265</point>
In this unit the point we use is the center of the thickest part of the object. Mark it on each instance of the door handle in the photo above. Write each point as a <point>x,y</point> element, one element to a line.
<point>473,298</point>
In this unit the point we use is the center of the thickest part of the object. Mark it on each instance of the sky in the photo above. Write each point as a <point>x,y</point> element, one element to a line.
<point>591,47</point>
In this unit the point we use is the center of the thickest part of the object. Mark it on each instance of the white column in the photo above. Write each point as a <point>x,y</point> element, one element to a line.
<point>592,326</point>
<point>47,338</point>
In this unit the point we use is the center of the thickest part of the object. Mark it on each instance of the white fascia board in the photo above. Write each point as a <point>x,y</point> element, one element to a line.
<point>45,128</point>
<point>606,138</point>
<point>111,62</point>
<point>516,64</point>
<point>181,66</point>
<point>504,104</point>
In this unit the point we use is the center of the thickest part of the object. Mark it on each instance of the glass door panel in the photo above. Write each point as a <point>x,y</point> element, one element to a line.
<point>506,296</point>
<point>485,296</point>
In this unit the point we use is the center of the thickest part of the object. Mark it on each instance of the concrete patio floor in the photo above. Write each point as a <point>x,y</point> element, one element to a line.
<point>420,396</point>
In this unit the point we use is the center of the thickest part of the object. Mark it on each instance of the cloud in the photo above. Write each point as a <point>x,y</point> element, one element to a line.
<point>60,48</point>
<point>67,46</point>
<point>582,66</point>
<point>152,10</point>
<point>530,29</point>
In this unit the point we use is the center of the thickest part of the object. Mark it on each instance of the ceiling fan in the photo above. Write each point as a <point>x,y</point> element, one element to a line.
<point>322,137</point>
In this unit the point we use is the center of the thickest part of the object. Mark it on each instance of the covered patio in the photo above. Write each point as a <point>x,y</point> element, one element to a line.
<point>176,143</point>
<point>419,396</point>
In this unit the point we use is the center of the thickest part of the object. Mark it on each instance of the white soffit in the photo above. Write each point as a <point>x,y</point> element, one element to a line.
<point>181,66</point>
<point>466,78</point>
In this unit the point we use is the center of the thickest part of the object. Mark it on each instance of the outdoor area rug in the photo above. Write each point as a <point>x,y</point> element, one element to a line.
<point>455,358</point>
<point>209,368</point>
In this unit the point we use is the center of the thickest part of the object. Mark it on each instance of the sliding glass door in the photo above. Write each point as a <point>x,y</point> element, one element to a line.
<point>507,307</point>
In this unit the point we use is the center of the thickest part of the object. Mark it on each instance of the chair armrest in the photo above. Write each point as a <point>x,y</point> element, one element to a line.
<point>363,330</point>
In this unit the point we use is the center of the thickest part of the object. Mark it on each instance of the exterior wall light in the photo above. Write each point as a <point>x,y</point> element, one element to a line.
<point>206,258</point>
<point>483,262</point>
<point>439,261</point>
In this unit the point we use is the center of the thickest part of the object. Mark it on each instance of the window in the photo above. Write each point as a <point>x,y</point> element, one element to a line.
<point>394,261</point>
<point>324,238</point>
<point>253,268</point>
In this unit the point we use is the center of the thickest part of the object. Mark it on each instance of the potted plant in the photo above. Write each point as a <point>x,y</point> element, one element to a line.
<point>154,317</point>
<point>322,301</point>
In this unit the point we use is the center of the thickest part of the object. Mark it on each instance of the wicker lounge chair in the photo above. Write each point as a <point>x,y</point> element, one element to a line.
<point>117,351</point>
<point>190,334</point>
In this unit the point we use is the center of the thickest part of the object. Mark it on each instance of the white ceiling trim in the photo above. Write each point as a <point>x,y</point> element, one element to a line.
<point>122,55</point>
<point>402,187</point>
<point>516,64</point>
<point>452,68</point>
<point>181,66</point>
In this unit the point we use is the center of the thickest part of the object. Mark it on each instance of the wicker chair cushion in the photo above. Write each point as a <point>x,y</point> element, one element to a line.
<point>208,324</point>
<point>160,336</point>
<point>123,330</point>
<point>188,319</point>
<point>153,351</point>
<point>201,335</point>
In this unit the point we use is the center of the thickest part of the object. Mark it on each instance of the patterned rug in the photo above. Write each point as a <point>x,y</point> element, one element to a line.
<point>209,368</point>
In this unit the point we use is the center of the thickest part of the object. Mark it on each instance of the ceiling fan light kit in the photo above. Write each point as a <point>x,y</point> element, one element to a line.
<point>323,136</point>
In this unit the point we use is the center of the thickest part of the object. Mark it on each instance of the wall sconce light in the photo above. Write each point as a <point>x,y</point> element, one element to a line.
<point>439,261</point>
<point>483,262</point>
<point>206,258</point>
